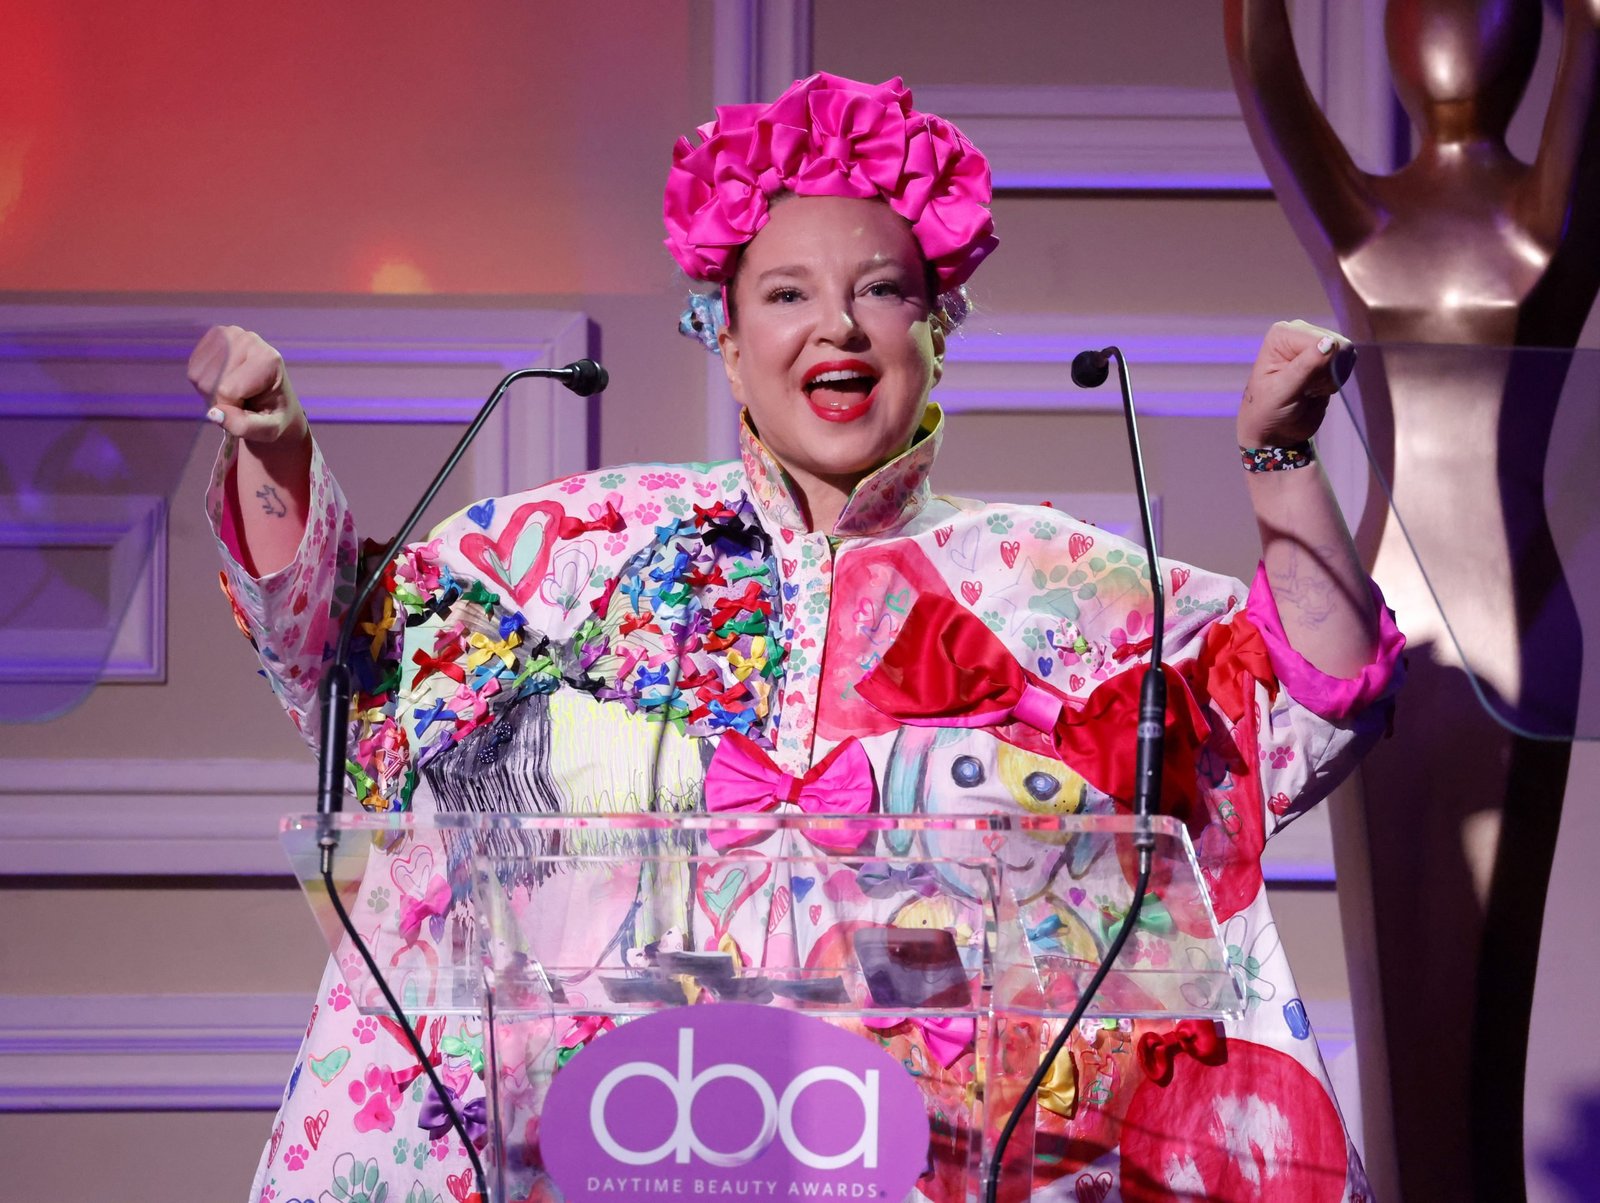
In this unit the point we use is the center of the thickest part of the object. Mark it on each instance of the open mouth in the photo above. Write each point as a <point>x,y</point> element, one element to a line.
<point>840,392</point>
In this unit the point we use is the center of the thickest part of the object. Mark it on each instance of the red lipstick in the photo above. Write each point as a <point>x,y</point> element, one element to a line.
<point>839,405</point>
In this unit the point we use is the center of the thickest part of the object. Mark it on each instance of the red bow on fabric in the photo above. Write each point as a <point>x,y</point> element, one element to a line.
<point>428,665</point>
<point>947,669</point>
<point>946,1037</point>
<point>1200,1038</point>
<point>611,520</point>
<point>741,777</point>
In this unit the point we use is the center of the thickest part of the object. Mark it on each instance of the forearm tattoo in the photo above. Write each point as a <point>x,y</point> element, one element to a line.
<point>1302,583</point>
<point>271,504</point>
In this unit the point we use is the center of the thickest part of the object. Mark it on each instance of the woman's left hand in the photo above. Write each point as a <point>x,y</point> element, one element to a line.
<point>1293,377</point>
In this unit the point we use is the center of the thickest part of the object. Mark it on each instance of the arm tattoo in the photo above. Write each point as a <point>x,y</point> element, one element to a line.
<point>1303,585</point>
<point>271,504</point>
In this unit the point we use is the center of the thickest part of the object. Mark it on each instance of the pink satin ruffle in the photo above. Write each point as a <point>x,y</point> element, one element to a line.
<point>1332,698</point>
<point>828,136</point>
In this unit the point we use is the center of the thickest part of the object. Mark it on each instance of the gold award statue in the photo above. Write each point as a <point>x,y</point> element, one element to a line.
<point>1445,865</point>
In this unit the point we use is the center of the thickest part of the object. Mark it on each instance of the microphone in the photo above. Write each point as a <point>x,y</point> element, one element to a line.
<point>1089,370</point>
<point>584,377</point>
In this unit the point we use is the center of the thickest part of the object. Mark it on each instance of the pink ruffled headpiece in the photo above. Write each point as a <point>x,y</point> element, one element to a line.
<point>829,136</point>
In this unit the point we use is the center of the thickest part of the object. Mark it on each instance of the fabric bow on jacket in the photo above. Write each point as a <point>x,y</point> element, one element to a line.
<point>1199,1038</point>
<point>947,669</point>
<point>742,778</point>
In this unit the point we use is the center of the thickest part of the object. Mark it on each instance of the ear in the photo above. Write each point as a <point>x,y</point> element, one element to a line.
<point>939,339</point>
<point>728,344</point>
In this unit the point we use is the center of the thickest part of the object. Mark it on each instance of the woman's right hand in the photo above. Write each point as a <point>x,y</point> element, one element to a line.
<point>244,379</point>
<point>269,480</point>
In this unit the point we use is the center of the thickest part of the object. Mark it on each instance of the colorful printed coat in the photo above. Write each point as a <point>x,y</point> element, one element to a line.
<point>587,645</point>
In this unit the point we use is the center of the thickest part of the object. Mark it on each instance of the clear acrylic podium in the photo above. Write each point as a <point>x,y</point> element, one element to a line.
<point>568,931</point>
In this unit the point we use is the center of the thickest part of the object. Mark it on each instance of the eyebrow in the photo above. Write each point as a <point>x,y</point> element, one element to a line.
<point>801,271</point>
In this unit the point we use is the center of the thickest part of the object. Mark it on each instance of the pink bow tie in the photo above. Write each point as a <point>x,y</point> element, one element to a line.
<point>741,777</point>
<point>945,1037</point>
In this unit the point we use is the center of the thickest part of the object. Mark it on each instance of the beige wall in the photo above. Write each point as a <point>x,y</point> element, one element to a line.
<point>509,150</point>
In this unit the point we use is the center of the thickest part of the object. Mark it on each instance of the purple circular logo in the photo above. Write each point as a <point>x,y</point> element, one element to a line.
<point>733,1099</point>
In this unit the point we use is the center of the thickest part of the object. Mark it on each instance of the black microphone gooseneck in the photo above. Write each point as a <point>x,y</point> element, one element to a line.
<point>1089,370</point>
<point>585,377</point>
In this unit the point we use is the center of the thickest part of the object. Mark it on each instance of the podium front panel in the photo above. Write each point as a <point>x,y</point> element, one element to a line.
<point>718,959</point>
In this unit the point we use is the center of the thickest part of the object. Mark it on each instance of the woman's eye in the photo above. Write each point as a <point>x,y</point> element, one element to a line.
<point>784,296</point>
<point>967,772</point>
<point>883,288</point>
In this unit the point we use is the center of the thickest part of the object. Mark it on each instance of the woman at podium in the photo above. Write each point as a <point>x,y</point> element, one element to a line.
<point>652,635</point>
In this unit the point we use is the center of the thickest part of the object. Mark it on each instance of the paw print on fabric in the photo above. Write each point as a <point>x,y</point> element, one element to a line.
<point>677,504</point>
<point>296,1156</point>
<point>731,481</point>
<point>378,900</point>
<point>647,511</point>
<point>1000,523</point>
<point>705,487</point>
<point>366,1029</point>
<point>402,1150</point>
<point>375,1095</point>
<point>419,1155</point>
<point>614,546</point>
<point>339,997</point>
<point>1281,756</point>
<point>573,484</point>
<point>1042,529</point>
<point>656,481</point>
<point>357,1181</point>
<point>992,620</point>
<point>611,480</point>
<point>439,1149</point>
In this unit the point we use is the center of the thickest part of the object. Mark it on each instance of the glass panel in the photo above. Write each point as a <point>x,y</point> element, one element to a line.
<point>1490,465</point>
<point>576,915</point>
<point>968,930</point>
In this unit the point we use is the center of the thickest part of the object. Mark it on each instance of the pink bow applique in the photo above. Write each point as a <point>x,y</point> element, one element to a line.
<point>742,778</point>
<point>946,1037</point>
<point>435,901</point>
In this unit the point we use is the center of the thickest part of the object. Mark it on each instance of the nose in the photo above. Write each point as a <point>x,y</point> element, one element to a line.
<point>838,325</point>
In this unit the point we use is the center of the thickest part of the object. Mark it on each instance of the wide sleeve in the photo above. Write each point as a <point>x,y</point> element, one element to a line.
<point>1317,727</point>
<point>292,616</point>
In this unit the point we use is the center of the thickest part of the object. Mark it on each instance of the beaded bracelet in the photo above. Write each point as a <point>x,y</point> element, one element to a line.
<point>1277,459</point>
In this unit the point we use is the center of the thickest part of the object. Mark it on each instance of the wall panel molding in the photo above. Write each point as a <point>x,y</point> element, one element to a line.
<point>148,1052</point>
<point>1069,138</point>
<point>355,360</point>
<point>149,817</point>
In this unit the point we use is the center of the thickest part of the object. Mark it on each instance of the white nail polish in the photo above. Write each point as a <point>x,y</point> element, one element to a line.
<point>214,415</point>
<point>1325,345</point>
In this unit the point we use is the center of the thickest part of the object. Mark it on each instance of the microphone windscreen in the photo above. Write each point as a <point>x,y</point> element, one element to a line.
<point>587,377</point>
<point>1090,368</point>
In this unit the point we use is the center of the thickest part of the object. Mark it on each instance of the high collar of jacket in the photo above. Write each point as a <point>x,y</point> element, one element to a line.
<point>884,500</point>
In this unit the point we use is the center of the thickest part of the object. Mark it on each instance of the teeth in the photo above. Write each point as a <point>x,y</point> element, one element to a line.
<point>838,377</point>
